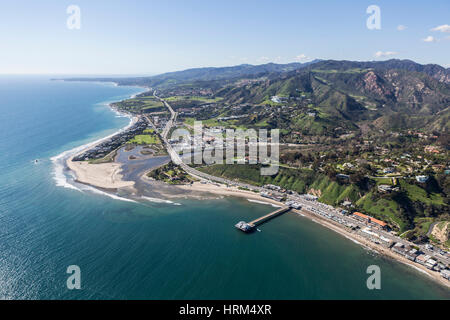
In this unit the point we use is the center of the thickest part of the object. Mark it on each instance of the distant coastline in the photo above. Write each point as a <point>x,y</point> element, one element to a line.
<point>108,178</point>
<point>61,161</point>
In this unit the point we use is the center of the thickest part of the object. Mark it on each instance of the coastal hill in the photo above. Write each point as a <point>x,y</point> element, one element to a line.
<point>347,95</point>
<point>390,95</point>
<point>368,136</point>
<point>202,74</point>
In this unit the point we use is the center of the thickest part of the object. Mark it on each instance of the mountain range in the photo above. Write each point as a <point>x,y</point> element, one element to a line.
<point>392,94</point>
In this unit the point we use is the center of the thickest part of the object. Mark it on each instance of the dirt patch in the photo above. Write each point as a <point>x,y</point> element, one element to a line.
<point>441,231</point>
<point>315,192</point>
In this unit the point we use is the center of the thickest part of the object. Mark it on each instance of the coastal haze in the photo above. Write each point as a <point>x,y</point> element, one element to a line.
<point>185,248</point>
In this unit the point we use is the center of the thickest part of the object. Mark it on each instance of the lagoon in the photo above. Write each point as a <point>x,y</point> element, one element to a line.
<point>157,249</point>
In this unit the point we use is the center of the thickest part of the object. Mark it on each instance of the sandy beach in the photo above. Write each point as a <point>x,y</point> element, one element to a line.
<point>108,176</point>
<point>232,191</point>
<point>223,190</point>
<point>227,191</point>
<point>104,175</point>
<point>369,244</point>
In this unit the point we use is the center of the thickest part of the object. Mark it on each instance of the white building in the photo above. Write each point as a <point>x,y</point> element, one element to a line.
<point>445,274</point>
<point>276,99</point>
<point>422,179</point>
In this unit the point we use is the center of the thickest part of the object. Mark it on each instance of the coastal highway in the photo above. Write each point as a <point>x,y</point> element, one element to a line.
<point>313,207</point>
<point>172,120</point>
<point>177,159</point>
<point>316,208</point>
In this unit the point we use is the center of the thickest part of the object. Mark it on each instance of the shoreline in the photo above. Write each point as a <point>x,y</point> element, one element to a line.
<point>103,175</point>
<point>227,191</point>
<point>382,251</point>
<point>222,190</point>
<point>108,176</point>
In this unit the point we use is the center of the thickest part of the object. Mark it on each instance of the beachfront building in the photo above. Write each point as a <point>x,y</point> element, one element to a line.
<point>294,205</point>
<point>375,237</point>
<point>310,197</point>
<point>445,274</point>
<point>272,187</point>
<point>370,220</point>
<point>406,251</point>
<point>272,196</point>
<point>430,264</point>
<point>422,259</point>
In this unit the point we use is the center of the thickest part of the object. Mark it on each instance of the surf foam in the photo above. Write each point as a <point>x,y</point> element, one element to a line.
<point>60,178</point>
<point>263,202</point>
<point>157,200</point>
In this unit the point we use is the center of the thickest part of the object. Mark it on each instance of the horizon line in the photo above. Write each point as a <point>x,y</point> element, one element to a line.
<point>150,74</point>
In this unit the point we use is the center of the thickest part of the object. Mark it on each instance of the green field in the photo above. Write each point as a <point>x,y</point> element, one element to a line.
<point>415,193</point>
<point>213,122</point>
<point>192,98</point>
<point>145,139</point>
<point>140,104</point>
<point>383,208</point>
<point>209,122</point>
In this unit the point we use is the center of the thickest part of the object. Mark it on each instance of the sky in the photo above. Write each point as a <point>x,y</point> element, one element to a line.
<point>150,37</point>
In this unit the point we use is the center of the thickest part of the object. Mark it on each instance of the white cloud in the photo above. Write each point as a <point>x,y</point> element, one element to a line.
<point>442,28</point>
<point>263,59</point>
<point>429,39</point>
<point>380,54</point>
<point>302,57</point>
<point>401,27</point>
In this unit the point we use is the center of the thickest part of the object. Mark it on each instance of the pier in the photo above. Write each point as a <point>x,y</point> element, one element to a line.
<point>250,226</point>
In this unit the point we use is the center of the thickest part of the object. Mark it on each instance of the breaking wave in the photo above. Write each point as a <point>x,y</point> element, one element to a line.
<point>156,200</point>
<point>113,196</point>
<point>263,202</point>
<point>59,175</point>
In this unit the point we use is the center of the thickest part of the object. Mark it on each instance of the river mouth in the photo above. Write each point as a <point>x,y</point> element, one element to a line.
<point>135,162</point>
<point>148,248</point>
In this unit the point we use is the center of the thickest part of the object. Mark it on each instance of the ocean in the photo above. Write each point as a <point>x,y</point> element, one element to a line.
<point>157,249</point>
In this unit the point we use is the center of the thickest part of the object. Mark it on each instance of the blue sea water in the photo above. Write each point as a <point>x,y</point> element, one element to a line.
<point>152,250</point>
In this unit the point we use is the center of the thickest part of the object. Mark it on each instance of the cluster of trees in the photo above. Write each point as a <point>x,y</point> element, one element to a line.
<point>170,173</point>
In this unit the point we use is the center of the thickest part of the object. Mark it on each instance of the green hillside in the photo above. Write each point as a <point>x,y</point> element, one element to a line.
<point>400,209</point>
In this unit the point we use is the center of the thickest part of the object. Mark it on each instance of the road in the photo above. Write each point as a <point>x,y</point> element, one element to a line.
<point>177,159</point>
<point>317,208</point>
<point>172,120</point>
<point>314,207</point>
